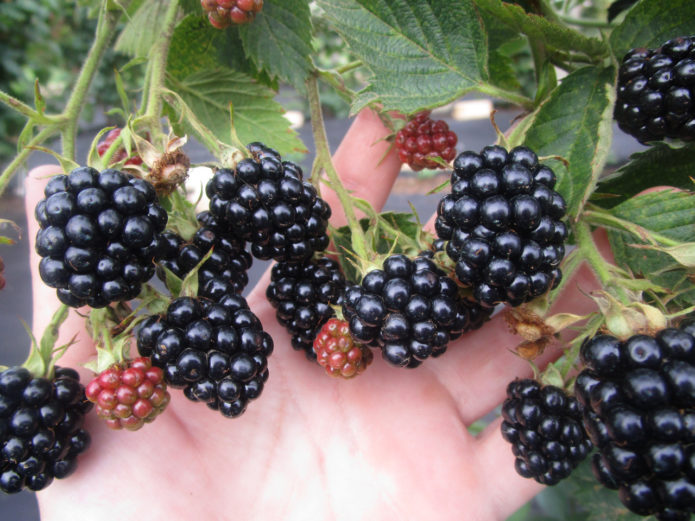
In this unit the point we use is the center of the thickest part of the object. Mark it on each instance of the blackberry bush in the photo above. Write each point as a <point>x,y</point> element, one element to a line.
<point>656,91</point>
<point>638,399</point>
<point>266,202</point>
<point>303,295</point>
<point>503,223</point>
<point>41,434</point>
<point>544,426</point>
<point>216,351</point>
<point>100,236</point>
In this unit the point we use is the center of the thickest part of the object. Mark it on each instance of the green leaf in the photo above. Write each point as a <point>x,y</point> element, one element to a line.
<point>502,40</point>
<point>421,54</point>
<point>668,213</point>
<point>576,123</point>
<point>651,23</point>
<point>659,165</point>
<point>279,40</point>
<point>142,30</point>
<point>553,35</point>
<point>257,117</point>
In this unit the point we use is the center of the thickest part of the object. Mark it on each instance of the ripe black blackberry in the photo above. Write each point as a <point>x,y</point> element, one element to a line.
<point>41,431</point>
<point>656,91</point>
<point>224,271</point>
<point>544,426</point>
<point>638,398</point>
<point>502,221</point>
<point>100,236</point>
<point>266,202</point>
<point>410,309</point>
<point>216,351</point>
<point>303,295</point>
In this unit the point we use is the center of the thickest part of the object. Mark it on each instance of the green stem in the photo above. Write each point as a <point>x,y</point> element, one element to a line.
<point>26,110</point>
<point>589,330</point>
<point>349,67</point>
<point>507,95</point>
<point>104,33</point>
<point>569,265</point>
<point>585,22</point>
<point>336,82</point>
<point>323,160</point>
<point>157,65</point>
<point>39,138</point>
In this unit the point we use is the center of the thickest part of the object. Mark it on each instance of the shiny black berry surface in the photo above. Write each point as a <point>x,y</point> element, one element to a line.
<point>266,202</point>
<point>100,236</point>
<point>656,91</point>
<point>638,402</point>
<point>41,432</point>
<point>503,225</point>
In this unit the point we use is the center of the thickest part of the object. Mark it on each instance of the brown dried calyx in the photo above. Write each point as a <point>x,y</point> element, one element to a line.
<point>167,170</point>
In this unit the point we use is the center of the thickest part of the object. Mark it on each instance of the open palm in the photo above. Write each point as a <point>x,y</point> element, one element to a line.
<point>391,444</point>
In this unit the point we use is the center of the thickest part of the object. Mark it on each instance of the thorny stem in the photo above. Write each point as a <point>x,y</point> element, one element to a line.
<point>9,171</point>
<point>324,161</point>
<point>25,109</point>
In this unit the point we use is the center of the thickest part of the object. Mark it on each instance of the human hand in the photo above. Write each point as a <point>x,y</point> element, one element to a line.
<point>392,444</point>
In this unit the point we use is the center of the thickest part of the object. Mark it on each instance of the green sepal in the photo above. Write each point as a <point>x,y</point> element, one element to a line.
<point>93,157</point>
<point>189,286</point>
<point>40,361</point>
<point>182,217</point>
<point>552,376</point>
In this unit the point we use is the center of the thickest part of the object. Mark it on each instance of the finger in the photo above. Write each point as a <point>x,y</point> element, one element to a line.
<point>45,302</point>
<point>366,164</point>
<point>507,489</point>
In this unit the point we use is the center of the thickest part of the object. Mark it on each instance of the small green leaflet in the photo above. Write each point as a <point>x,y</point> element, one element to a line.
<point>140,33</point>
<point>651,22</point>
<point>421,54</point>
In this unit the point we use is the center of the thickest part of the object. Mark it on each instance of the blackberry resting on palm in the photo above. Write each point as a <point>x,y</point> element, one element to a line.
<point>41,431</point>
<point>544,426</point>
<point>303,295</point>
<point>266,202</point>
<point>215,350</point>
<point>100,236</point>
<point>502,221</point>
<point>656,91</point>
<point>410,309</point>
<point>224,271</point>
<point>638,398</point>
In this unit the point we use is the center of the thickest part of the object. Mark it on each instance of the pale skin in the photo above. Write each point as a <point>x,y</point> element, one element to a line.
<point>391,444</point>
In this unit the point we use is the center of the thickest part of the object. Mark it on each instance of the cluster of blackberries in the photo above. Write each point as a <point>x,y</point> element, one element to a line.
<point>223,13</point>
<point>423,139</point>
<point>303,295</point>
<point>638,398</point>
<point>100,236</point>
<point>265,201</point>
<point>502,221</point>
<point>544,426</point>
<point>215,350</point>
<point>224,271</point>
<point>656,91</point>
<point>410,309</point>
<point>41,431</point>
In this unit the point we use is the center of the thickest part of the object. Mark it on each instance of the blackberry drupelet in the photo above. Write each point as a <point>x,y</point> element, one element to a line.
<point>656,91</point>
<point>41,431</point>
<point>100,236</point>
<point>224,271</point>
<point>266,202</point>
<point>223,13</point>
<point>544,426</point>
<point>303,295</point>
<point>410,309</point>
<point>502,221</point>
<point>638,401</point>
<point>216,351</point>
<point>421,139</point>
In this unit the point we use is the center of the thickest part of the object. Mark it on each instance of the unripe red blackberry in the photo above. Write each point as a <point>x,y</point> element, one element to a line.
<point>656,91</point>
<point>503,223</point>
<point>337,353</point>
<point>410,309</point>
<point>120,154</point>
<point>266,202</point>
<point>544,426</point>
<point>216,351</point>
<point>100,236</point>
<point>422,139</point>
<point>638,401</point>
<point>129,395</point>
<point>224,271</point>
<point>223,13</point>
<point>41,431</point>
<point>303,295</point>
